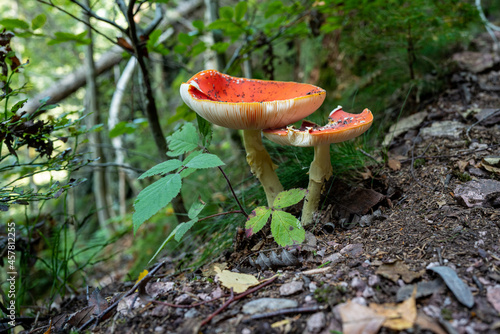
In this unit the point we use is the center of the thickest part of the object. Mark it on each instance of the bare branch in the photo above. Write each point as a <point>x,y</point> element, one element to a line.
<point>93,14</point>
<point>50,3</point>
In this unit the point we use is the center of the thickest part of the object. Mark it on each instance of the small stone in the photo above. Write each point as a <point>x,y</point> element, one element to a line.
<point>493,296</point>
<point>157,289</point>
<point>373,280</point>
<point>477,172</point>
<point>360,301</point>
<point>291,288</point>
<point>358,283</point>
<point>365,220</point>
<point>246,331</point>
<point>262,305</point>
<point>159,329</point>
<point>183,299</point>
<point>316,322</point>
<point>192,313</point>
<point>445,129</point>
<point>368,292</point>
<point>353,250</point>
<point>478,193</point>
<point>333,259</point>
<point>312,287</point>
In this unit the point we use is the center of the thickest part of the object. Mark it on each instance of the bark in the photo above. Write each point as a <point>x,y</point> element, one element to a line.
<point>114,110</point>
<point>73,81</point>
<point>95,140</point>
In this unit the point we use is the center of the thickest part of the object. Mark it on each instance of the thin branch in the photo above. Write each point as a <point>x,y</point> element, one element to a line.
<point>93,14</point>
<point>286,311</point>
<point>50,3</point>
<point>156,20</point>
<point>222,214</point>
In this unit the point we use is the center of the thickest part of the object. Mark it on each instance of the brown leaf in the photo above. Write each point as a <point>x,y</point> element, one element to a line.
<point>428,323</point>
<point>358,319</point>
<point>398,316</point>
<point>462,165</point>
<point>398,269</point>
<point>394,164</point>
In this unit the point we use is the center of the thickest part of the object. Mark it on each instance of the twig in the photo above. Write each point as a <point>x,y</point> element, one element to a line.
<point>482,119</point>
<point>187,306</point>
<point>450,155</point>
<point>222,214</point>
<point>50,3</point>
<point>369,155</point>
<point>93,14</point>
<point>131,291</point>
<point>288,311</point>
<point>235,298</point>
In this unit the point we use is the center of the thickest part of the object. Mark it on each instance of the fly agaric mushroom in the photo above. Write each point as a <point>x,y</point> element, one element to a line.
<point>341,126</point>
<point>252,105</point>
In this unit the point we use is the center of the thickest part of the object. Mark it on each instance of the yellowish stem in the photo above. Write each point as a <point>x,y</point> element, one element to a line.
<point>319,172</point>
<point>261,164</point>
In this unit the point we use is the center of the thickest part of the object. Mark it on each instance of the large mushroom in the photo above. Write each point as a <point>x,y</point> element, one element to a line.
<point>252,105</point>
<point>341,126</point>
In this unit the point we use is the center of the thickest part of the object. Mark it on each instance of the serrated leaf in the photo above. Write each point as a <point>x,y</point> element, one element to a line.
<point>183,140</point>
<point>162,168</point>
<point>205,160</point>
<point>240,10</point>
<point>182,228</point>
<point>155,197</point>
<point>195,209</point>
<point>289,197</point>
<point>11,24</point>
<point>188,171</point>
<point>205,129</point>
<point>257,220</point>
<point>286,229</point>
<point>38,21</point>
<point>226,13</point>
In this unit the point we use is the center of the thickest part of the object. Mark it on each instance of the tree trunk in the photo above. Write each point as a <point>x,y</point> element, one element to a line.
<point>95,140</point>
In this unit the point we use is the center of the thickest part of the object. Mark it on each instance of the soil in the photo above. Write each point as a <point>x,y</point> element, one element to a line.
<point>375,239</point>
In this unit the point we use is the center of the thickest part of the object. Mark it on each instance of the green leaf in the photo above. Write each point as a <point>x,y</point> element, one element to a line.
<point>38,21</point>
<point>61,37</point>
<point>205,160</point>
<point>162,168</point>
<point>183,140</point>
<point>182,228</point>
<point>185,38</point>
<point>199,25</point>
<point>198,49</point>
<point>205,129</point>
<point>155,197</point>
<point>240,10</point>
<point>195,209</point>
<point>226,13</point>
<point>18,105</point>
<point>257,220</point>
<point>288,198</point>
<point>165,242</point>
<point>286,229</point>
<point>220,47</point>
<point>188,171</point>
<point>11,24</point>
<point>180,49</point>
<point>122,128</point>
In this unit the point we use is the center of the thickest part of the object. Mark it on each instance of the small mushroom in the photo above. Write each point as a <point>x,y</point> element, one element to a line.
<point>251,105</point>
<point>341,126</point>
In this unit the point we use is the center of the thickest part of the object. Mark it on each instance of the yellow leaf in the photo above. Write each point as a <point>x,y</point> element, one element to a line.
<point>239,282</point>
<point>398,316</point>
<point>142,275</point>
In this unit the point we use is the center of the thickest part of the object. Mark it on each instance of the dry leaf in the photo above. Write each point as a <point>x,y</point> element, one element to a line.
<point>358,319</point>
<point>428,323</point>
<point>238,282</point>
<point>398,316</point>
<point>142,275</point>
<point>462,165</point>
<point>394,270</point>
<point>214,269</point>
<point>394,164</point>
<point>367,174</point>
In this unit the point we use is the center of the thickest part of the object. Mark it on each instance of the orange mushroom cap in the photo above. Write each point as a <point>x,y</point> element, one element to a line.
<point>240,103</point>
<point>341,126</point>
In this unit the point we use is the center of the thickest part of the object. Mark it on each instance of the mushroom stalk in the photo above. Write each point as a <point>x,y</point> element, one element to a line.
<point>261,164</point>
<point>320,171</point>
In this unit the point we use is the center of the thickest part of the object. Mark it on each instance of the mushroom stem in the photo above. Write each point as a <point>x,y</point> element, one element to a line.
<point>261,164</point>
<point>320,170</point>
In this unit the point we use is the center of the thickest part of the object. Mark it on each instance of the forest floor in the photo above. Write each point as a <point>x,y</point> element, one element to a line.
<point>414,247</point>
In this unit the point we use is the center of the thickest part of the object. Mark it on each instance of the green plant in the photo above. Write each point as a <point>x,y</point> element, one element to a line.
<point>285,228</point>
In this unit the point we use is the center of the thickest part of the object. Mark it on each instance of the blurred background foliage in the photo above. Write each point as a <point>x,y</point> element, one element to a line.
<point>381,55</point>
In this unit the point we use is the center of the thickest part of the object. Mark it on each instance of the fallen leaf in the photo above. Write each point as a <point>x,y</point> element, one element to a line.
<point>425,322</point>
<point>358,319</point>
<point>394,164</point>
<point>493,295</point>
<point>461,165</point>
<point>142,275</point>
<point>398,269</point>
<point>455,284</point>
<point>398,316</point>
<point>238,282</point>
<point>214,269</point>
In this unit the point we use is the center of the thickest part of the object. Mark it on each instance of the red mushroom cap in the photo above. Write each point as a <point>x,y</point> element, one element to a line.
<point>240,103</point>
<point>341,126</point>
